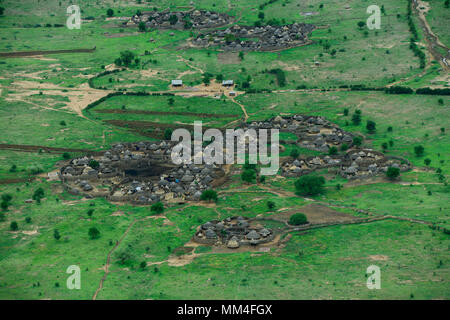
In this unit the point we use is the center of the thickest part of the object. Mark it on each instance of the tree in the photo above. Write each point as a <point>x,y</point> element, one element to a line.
<point>356,118</point>
<point>93,233</point>
<point>248,175</point>
<point>141,26</point>
<point>66,156</point>
<point>209,195</point>
<point>298,219</point>
<point>157,207</point>
<point>56,234</point>
<point>171,101</point>
<point>270,205</point>
<point>168,133</point>
<point>295,153</point>
<point>427,161</point>
<point>261,15</point>
<point>94,164</point>
<point>361,24</point>
<point>110,12</point>
<point>392,173</point>
<point>346,112</point>
<point>90,212</point>
<point>333,150</point>
<point>14,226</point>
<point>371,126</point>
<point>241,55</point>
<point>38,194</point>
<point>419,151</point>
<point>126,58</point>
<point>4,205</point>
<point>219,77</point>
<point>173,19</point>
<point>357,141</point>
<point>309,185</point>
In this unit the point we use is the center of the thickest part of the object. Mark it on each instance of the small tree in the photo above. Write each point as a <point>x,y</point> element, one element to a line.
<point>248,175</point>
<point>110,12</point>
<point>356,118</point>
<point>56,234</point>
<point>66,156</point>
<point>270,205</point>
<point>209,195</point>
<point>371,126</point>
<point>361,24</point>
<point>419,151</point>
<point>392,173</point>
<point>295,153</point>
<point>171,101</point>
<point>2,11</point>
<point>427,161</point>
<point>93,233</point>
<point>168,134</point>
<point>94,164</point>
<point>298,219</point>
<point>310,185</point>
<point>173,19</point>
<point>333,150</point>
<point>14,226</point>
<point>357,141</point>
<point>157,207</point>
<point>141,26</point>
<point>241,55</point>
<point>90,212</point>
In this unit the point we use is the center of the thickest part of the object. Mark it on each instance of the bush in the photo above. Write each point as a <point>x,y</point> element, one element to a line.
<point>56,234</point>
<point>371,126</point>
<point>209,195</point>
<point>295,153</point>
<point>419,151</point>
<point>248,175</point>
<point>333,150</point>
<point>157,207</point>
<point>309,185</point>
<point>392,173</point>
<point>93,233</point>
<point>38,194</point>
<point>357,141</point>
<point>270,205</point>
<point>427,161</point>
<point>110,12</point>
<point>168,134</point>
<point>66,156</point>
<point>356,118</point>
<point>298,219</point>
<point>14,226</point>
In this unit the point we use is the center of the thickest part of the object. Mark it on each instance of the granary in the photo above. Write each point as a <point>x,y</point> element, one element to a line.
<point>177,83</point>
<point>227,83</point>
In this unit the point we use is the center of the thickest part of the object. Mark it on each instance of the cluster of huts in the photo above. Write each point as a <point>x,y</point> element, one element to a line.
<point>233,232</point>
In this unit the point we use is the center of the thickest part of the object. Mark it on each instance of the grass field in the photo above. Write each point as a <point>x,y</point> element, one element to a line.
<point>44,103</point>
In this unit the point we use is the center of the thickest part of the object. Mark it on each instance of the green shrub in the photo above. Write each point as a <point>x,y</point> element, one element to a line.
<point>157,207</point>
<point>209,195</point>
<point>310,185</point>
<point>298,219</point>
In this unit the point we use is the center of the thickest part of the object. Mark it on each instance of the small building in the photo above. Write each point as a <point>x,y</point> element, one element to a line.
<point>227,83</point>
<point>232,93</point>
<point>177,83</point>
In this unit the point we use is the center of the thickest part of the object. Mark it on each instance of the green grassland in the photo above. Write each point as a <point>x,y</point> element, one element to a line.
<point>326,263</point>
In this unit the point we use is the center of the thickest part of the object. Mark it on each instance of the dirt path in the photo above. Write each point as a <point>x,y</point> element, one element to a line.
<point>108,260</point>
<point>242,108</point>
<point>431,39</point>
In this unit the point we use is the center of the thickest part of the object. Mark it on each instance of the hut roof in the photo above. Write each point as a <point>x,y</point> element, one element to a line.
<point>252,235</point>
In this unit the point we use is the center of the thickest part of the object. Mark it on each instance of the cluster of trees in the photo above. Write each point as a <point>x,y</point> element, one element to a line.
<point>6,201</point>
<point>249,173</point>
<point>398,90</point>
<point>127,58</point>
<point>281,76</point>
<point>310,185</point>
<point>38,194</point>
<point>415,36</point>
